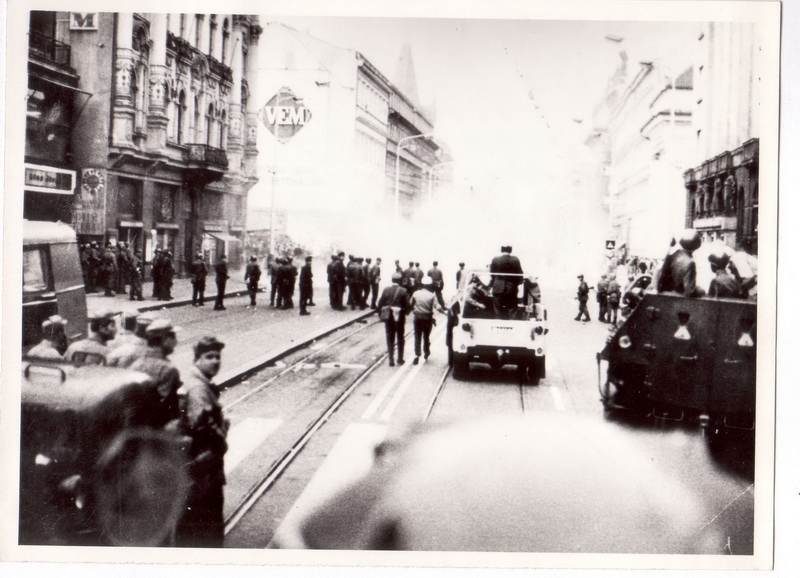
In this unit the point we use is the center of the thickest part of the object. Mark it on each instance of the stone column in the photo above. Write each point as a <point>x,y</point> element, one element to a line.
<point>235,144</point>
<point>123,108</point>
<point>253,102</point>
<point>157,111</point>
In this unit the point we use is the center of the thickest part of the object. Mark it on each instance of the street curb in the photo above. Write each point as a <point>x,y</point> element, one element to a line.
<point>239,374</point>
<point>182,302</point>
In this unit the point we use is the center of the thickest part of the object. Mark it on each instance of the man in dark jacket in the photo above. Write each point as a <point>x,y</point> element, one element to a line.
<point>375,281</point>
<point>438,282</point>
<point>339,278</point>
<point>221,270</point>
<point>583,298</point>
<point>504,287</point>
<point>409,281</point>
<point>123,267</point>
<point>167,274</point>
<point>397,298</point>
<point>306,286</point>
<point>135,276</point>
<point>679,273</point>
<point>155,273</point>
<point>331,291</point>
<point>198,272</point>
<point>252,274</point>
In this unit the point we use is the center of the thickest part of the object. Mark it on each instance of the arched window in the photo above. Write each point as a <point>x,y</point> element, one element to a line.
<point>226,33</point>
<point>197,121</point>
<point>210,126</point>
<point>180,117</point>
<point>223,131</point>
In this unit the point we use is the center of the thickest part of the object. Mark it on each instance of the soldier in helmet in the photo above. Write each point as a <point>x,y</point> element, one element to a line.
<point>679,271</point>
<point>109,270</point>
<point>54,343</point>
<point>198,271</point>
<point>724,283</point>
<point>94,349</point>
<point>252,275</point>
<point>92,267</point>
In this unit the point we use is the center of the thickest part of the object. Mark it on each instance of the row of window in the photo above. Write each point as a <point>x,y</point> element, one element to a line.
<point>202,33</point>
<point>211,128</point>
<point>165,203</point>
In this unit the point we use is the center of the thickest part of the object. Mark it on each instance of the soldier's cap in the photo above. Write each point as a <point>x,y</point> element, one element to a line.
<point>340,254</point>
<point>308,259</point>
<point>207,343</point>
<point>160,327</point>
<point>53,320</point>
<point>93,243</point>
<point>505,249</point>
<point>102,315</point>
<point>580,276</point>
<point>396,277</point>
<point>461,264</point>
<point>253,258</point>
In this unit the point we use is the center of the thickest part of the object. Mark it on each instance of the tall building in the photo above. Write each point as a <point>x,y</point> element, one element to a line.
<point>331,122</point>
<point>165,148</point>
<point>722,187</point>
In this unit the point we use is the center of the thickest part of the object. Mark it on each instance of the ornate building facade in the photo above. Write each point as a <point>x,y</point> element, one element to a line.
<point>166,147</point>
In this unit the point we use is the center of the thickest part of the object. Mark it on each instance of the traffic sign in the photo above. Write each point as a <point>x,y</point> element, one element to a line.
<point>285,114</point>
<point>610,245</point>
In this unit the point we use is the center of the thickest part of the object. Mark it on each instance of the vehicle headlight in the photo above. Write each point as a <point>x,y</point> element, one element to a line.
<point>625,342</point>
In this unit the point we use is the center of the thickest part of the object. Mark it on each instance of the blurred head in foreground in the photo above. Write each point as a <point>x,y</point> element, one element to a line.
<point>530,484</point>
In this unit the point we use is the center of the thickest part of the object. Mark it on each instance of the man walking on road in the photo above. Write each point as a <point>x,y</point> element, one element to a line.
<point>583,298</point>
<point>203,525</point>
<point>422,303</point>
<point>396,298</point>
<point>438,282</point>
<point>198,271</point>
<point>252,275</point>
<point>221,270</point>
<point>306,286</point>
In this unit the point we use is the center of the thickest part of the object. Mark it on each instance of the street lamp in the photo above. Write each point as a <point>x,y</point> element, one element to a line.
<point>430,176</point>
<point>397,169</point>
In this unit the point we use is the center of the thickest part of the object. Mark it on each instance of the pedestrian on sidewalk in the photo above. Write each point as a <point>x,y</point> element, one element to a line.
<point>221,269</point>
<point>331,285</point>
<point>396,299</point>
<point>273,267</point>
<point>339,276</point>
<point>202,420</point>
<point>198,271</point>
<point>155,273</point>
<point>423,304</point>
<point>123,266</point>
<point>252,275</point>
<point>135,276</point>
<point>306,286</point>
<point>375,282</point>
<point>167,275</point>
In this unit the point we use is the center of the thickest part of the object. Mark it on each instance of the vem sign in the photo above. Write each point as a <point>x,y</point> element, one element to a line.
<point>285,114</point>
<point>83,20</point>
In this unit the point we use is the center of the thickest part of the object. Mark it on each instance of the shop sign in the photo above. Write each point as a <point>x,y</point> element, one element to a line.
<point>285,115</point>
<point>90,203</point>
<point>83,20</point>
<point>42,179</point>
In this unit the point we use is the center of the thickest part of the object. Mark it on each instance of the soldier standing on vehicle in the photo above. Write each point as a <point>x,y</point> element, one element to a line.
<point>438,282</point>
<point>94,349</point>
<point>221,270</point>
<point>602,299</point>
<point>135,276</point>
<point>614,295</point>
<point>724,283</point>
<point>203,525</point>
<point>459,275</point>
<point>161,342</point>
<point>422,303</point>
<point>375,282</point>
<point>198,271</point>
<point>582,297</point>
<point>252,274</point>
<point>306,286</point>
<point>679,271</point>
<point>505,287</point>
<point>396,299</point>
<point>54,342</point>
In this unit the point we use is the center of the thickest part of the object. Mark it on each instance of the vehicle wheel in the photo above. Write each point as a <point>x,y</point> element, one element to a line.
<point>460,365</point>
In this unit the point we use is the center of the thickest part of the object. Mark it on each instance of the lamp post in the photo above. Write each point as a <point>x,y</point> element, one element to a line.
<point>397,169</point>
<point>430,177</point>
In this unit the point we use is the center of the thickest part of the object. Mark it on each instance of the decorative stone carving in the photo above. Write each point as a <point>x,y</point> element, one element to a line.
<point>706,191</point>
<point>729,191</point>
<point>716,199</point>
<point>124,70</point>
<point>157,92</point>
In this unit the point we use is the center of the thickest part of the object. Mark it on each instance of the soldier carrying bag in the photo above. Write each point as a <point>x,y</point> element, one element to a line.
<point>390,312</point>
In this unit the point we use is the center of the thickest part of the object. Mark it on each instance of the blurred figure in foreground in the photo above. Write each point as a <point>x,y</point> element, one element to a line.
<point>491,485</point>
<point>54,343</point>
<point>94,349</point>
<point>679,272</point>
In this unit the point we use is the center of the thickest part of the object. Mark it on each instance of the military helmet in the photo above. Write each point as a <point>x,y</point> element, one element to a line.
<point>690,240</point>
<point>719,258</point>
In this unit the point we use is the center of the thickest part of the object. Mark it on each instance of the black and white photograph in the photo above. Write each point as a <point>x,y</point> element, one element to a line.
<point>436,286</point>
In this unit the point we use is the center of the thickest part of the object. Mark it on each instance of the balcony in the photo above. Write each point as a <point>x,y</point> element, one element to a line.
<point>212,158</point>
<point>217,68</point>
<point>48,49</point>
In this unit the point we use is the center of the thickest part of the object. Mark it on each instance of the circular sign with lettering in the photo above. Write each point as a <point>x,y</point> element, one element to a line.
<point>285,114</point>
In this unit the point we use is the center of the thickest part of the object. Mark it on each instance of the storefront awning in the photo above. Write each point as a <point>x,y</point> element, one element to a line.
<point>223,236</point>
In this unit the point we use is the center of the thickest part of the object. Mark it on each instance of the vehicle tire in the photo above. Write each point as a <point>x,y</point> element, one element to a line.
<point>460,365</point>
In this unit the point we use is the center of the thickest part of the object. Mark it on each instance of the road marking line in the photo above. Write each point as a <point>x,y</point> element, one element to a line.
<point>246,436</point>
<point>389,410</point>
<point>557,399</point>
<point>351,457</point>
<point>376,403</point>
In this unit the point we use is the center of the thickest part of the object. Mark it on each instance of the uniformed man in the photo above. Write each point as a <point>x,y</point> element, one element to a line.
<point>155,273</point>
<point>54,341</point>
<point>679,271</point>
<point>614,297</point>
<point>602,298</point>
<point>84,256</point>
<point>409,282</point>
<point>422,303</point>
<point>123,266</point>
<point>292,272</point>
<point>203,524</point>
<point>109,270</point>
<point>505,287</point>
<point>339,276</point>
<point>198,272</point>
<point>331,290</point>
<point>94,349</point>
<point>438,282</point>
<point>361,283</point>
<point>252,275</point>
<point>135,276</point>
<point>94,263</point>
<point>273,266</point>
<point>306,286</point>
<point>167,274</point>
<point>397,298</point>
<point>221,270</point>
<point>397,267</point>
<point>582,297</point>
<point>129,347</point>
<point>162,339</point>
<point>724,283</point>
<point>351,272</point>
<point>375,282</point>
